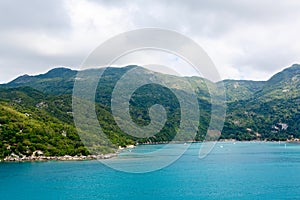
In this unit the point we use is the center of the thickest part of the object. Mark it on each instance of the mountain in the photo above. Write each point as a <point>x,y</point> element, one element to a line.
<point>283,85</point>
<point>241,89</point>
<point>48,97</point>
<point>57,81</point>
<point>26,125</point>
<point>37,110</point>
<point>61,80</point>
<point>275,105</point>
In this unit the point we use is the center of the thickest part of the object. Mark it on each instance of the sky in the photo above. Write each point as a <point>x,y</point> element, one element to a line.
<point>246,39</point>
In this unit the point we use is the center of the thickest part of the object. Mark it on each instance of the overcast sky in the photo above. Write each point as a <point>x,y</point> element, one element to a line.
<point>246,39</point>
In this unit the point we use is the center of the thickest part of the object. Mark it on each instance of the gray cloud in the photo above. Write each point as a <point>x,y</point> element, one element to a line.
<point>265,31</point>
<point>246,39</point>
<point>211,17</point>
<point>33,15</point>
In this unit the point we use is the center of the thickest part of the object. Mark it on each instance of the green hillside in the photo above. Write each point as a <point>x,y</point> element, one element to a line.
<point>57,81</point>
<point>26,126</point>
<point>36,111</point>
<point>241,90</point>
<point>276,104</point>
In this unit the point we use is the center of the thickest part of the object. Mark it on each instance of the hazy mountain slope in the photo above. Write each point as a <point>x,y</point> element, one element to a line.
<point>241,90</point>
<point>283,85</point>
<point>277,103</point>
<point>57,81</point>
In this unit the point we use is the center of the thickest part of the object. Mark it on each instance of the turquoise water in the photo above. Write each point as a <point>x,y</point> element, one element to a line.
<point>231,171</point>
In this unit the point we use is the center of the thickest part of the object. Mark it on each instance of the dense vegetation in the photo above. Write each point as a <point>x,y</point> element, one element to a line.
<point>25,129</point>
<point>264,112</point>
<point>36,111</point>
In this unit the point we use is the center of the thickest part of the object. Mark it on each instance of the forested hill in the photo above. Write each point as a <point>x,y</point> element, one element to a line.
<point>271,112</point>
<point>36,111</point>
<point>57,81</point>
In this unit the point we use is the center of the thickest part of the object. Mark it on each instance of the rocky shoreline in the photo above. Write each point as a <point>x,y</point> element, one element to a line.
<point>39,156</point>
<point>15,158</point>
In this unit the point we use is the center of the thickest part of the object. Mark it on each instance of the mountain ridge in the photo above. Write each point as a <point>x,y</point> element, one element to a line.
<point>63,78</point>
<point>257,110</point>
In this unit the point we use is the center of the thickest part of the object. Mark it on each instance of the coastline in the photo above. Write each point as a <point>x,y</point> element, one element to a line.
<point>16,158</point>
<point>57,158</point>
<point>41,158</point>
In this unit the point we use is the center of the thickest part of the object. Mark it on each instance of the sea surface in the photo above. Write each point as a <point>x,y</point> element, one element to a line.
<point>241,170</point>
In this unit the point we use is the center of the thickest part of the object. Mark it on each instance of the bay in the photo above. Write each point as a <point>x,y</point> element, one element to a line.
<point>241,170</point>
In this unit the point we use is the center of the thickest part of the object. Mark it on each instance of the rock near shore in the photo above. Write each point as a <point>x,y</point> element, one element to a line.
<point>16,158</point>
